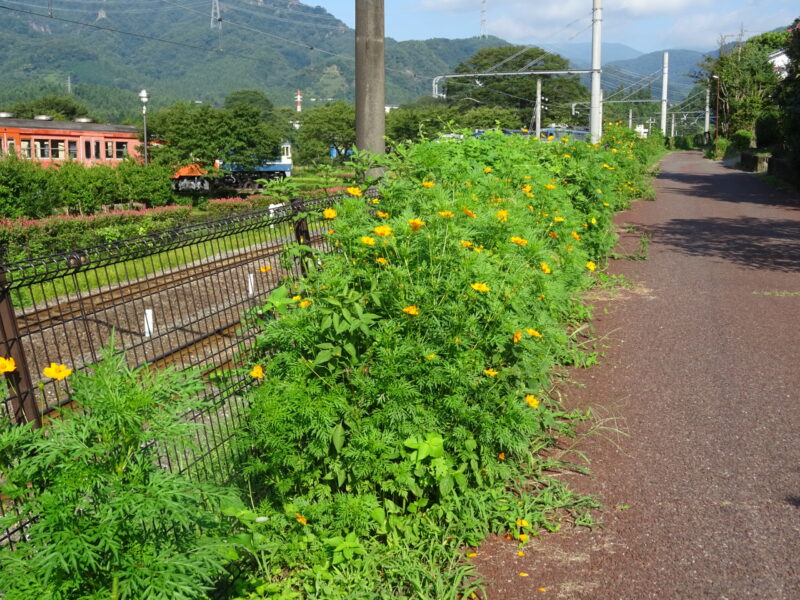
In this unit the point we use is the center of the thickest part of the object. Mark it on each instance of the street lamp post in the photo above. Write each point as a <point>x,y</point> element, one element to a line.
<point>144,98</point>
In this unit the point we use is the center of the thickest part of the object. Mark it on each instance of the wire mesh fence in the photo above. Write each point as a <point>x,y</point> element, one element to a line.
<point>172,298</point>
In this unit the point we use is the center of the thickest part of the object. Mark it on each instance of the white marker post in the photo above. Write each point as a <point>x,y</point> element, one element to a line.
<point>148,322</point>
<point>251,284</point>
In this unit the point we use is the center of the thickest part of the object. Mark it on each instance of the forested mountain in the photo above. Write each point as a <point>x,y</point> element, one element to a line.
<point>106,51</point>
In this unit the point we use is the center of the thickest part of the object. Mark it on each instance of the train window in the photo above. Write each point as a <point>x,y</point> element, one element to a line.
<point>41,148</point>
<point>97,149</point>
<point>57,148</point>
<point>25,147</point>
<point>122,149</point>
<point>72,149</point>
<point>87,149</point>
<point>11,146</point>
<point>109,149</point>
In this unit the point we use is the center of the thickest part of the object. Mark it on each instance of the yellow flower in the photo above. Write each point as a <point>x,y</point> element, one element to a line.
<point>331,232</point>
<point>468,183</point>
<point>367,241</point>
<point>549,186</point>
<point>479,287</point>
<point>266,269</point>
<point>593,221</point>
<point>478,249</point>
<point>428,184</point>
<point>606,204</point>
<point>550,138</point>
<point>491,372</point>
<point>411,310</point>
<point>7,365</point>
<point>430,356</point>
<point>517,336</point>
<point>532,401</point>
<point>382,215</point>
<point>375,200</point>
<point>605,166</point>
<point>567,156</point>
<point>522,537</point>
<point>446,214</point>
<point>502,456</point>
<point>558,219</point>
<point>564,139</point>
<point>58,372</point>
<point>466,244</point>
<point>545,267</point>
<point>305,303</point>
<point>523,574</point>
<point>519,241</point>
<point>257,372</point>
<point>297,298</point>
<point>613,151</point>
<point>575,235</point>
<point>541,589</point>
<point>382,231</point>
<point>416,224</point>
<point>527,188</point>
<point>523,523</point>
<point>381,260</point>
<point>469,213</point>
<point>533,332</point>
<point>472,554</point>
<point>520,553</point>
<point>502,215</point>
<point>300,518</point>
<point>487,169</point>
<point>329,213</point>
<point>354,191</point>
<point>591,266</point>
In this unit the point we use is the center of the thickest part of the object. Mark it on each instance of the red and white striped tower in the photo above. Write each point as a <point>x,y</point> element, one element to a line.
<point>299,101</point>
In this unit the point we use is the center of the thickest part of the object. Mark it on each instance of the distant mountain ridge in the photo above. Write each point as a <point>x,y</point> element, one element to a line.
<point>277,46</point>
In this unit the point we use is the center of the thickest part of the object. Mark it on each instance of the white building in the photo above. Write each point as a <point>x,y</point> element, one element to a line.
<point>780,62</point>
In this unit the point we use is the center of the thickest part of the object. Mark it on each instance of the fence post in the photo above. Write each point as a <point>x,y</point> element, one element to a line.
<point>21,391</point>
<point>300,225</point>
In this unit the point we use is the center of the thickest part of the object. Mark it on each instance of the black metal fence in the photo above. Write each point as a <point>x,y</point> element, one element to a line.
<point>172,298</point>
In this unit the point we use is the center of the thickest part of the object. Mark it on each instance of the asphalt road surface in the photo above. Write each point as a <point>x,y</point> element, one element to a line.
<point>702,372</point>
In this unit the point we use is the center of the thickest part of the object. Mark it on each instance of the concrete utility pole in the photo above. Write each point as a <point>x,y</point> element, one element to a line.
<point>370,77</point>
<point>630,118</point>
<point>707,128</point>
<point>595,118</point>
<point>664,84</point>
<point>538,108</point>
<point>672,128</point>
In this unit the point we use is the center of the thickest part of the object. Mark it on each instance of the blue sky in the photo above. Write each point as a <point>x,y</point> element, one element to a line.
<point>647,25</point>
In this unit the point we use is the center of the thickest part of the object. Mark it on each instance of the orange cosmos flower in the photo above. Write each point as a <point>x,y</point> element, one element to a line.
<point>257,372</point>
<point>532,401</point>
<point>367,241</point>
<point>300,518</point>
<point>549,186</point>
<point>381,260</point>
<point>411,310</point>
<point>575,235</point>
<point>502,215</point>
<point>416,224</point>
<point>7,365</point>
<point>517,336</point>
<point>533,332</point>
<point>382,215</point>
<point>305,303</point>
<point>354,191</point>
<point>329,213</point>
<point>428,184</point>
<point>58,372</point>
<point>491,372</point>
<point>502,456</point>
<point>266,269</point>
<point>466,244</point>
<point>446,214</point>
<point>545,267</point>
<point>382,231</point>
<point>519,241</point>
<point>469,213</point>
<point>487,169</point>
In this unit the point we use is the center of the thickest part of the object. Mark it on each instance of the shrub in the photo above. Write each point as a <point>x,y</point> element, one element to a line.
<point>26,189</point>
<point>742,140</point>
<point>103,519</point>
<point>768,130</point>
<point>405,381</point>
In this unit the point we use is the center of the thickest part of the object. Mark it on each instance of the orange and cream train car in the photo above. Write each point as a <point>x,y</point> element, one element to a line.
<point>53,142</point>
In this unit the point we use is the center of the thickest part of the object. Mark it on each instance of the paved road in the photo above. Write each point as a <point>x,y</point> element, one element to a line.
<point>702,499</point>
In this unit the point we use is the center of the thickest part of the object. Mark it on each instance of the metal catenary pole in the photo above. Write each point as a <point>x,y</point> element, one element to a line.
<point>538,108</point>
<point>595,117</point>
<point>664,85</point>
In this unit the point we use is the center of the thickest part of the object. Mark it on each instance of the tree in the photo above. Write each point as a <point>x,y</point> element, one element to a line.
<point>325,126</point>
<point>517,91</point>
<point>61,108</point>
<point>188,133</point>
<point>789,96</point>
<point>253,98</point>
<point>746,80</point>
